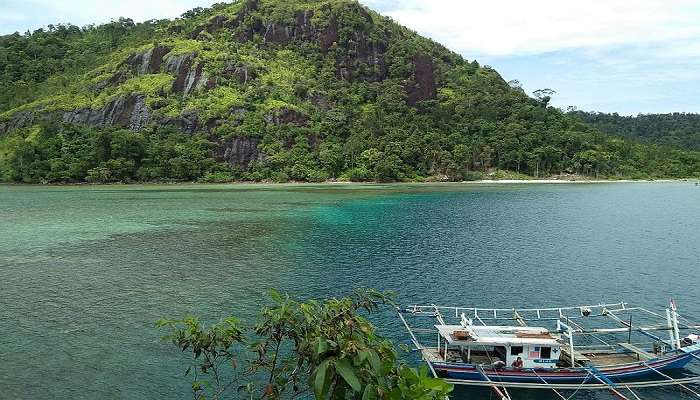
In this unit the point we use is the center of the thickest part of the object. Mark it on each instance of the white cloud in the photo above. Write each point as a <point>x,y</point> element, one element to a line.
<point>138,10</point>
<point>11,16</point>
<point>505,27</point>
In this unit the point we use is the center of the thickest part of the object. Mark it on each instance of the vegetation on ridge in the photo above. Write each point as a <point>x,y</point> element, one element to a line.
<point>680,130</point>
<point>273,90</point>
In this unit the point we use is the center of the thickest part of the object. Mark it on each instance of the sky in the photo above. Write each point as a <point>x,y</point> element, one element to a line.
<point>626,56</point>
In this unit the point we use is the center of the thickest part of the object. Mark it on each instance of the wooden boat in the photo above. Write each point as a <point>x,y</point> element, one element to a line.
<point>515,348</point>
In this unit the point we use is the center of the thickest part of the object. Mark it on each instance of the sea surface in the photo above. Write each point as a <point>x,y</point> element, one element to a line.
<point>85,271</point>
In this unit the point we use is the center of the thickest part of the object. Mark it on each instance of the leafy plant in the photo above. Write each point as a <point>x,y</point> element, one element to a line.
<point>326,349</point>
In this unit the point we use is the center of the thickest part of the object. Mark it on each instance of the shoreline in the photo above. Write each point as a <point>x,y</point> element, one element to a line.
<point>574,181</point>
<point>343,183</point>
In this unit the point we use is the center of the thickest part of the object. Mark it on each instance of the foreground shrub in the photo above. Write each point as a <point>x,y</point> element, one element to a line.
<point>322,349</point>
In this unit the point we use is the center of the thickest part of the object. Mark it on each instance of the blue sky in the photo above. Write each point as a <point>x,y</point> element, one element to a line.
<point>626,56</point>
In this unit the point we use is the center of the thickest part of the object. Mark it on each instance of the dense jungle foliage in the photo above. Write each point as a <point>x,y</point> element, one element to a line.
<point>284,90</point>
<point>681,130</point>
<point>326,350</point>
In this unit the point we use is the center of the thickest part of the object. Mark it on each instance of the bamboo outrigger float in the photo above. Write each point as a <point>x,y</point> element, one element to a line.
<point>561,348</point>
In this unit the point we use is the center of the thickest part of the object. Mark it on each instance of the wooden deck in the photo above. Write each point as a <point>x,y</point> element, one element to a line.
<point>608,359</point>
<point>565,359</point>
<point>641,354</point>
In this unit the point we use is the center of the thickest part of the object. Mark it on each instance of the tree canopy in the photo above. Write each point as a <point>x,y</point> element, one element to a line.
<point>680,130</point>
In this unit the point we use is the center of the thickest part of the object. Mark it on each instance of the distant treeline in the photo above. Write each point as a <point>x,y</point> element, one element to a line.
<point>680,130</point>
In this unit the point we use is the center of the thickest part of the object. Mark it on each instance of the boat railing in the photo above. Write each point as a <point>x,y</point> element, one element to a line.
<point>500,313</point>
<point>553,314</point>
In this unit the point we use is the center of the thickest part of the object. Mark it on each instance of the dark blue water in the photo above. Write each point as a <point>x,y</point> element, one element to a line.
<point>87,270</point>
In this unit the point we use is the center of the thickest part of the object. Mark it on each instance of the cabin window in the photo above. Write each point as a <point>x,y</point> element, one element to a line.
<point>500,352</point>
<point>546,352</point>
<point>515,350</point>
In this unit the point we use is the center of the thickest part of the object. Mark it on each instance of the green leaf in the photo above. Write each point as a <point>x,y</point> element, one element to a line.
<point>346,370</point>
<point>374,361</point>
<point>319,379</point>
<point>370,393</point>
<point>276,296</point>
<point>321,346</point>
<point>362,356</point>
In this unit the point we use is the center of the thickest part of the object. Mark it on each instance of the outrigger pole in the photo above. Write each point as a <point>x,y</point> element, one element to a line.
<point>610,384</point>
<point>576,386</point>
<point>502,394</point>
<point>682,386</point>
<point>417,344</point>
<point>561,396</point>
<point>415,341</point>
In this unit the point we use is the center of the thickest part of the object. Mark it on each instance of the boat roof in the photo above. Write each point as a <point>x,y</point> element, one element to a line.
<point>459,335</point>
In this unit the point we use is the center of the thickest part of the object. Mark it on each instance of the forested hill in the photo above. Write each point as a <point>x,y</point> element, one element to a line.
<point>680,130</point>
<point>282,90</point>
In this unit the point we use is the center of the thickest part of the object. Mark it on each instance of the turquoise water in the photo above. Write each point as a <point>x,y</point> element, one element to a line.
<point>87,270</point>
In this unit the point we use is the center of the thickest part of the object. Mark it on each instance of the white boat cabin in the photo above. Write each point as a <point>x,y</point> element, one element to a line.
<point>499,345</point>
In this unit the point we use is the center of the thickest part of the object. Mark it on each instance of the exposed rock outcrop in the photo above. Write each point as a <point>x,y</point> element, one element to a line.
<point>287,116</point>
<point>216,23</point>
<point>148,62</point>
<point>422,85</point>
<point>129,112</point>
<point>302,29</point>
<point>188,75</point>
<point>187,122</point>
<point>18,120</point>
<point>329,35</point>
<point>362,58</point>
<point>241,73</point>
<point>118,78</point>
<point>239,151</point>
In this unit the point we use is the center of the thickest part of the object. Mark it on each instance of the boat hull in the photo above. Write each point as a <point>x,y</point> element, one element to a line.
<point>637,371</point>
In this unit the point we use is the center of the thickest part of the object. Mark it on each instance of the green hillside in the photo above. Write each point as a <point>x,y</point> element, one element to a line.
<point>282,90</point>
<point>681,130</point>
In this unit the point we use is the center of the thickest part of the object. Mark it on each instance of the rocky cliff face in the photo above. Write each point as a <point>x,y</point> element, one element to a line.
<point>129,112</point>
<point>132,111</point>
<point>148,62</point>
<point>189,75</point>
<point>18,120</point>
<point>359,57</point>
<point>239,151</point>
<point>422,85</point>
